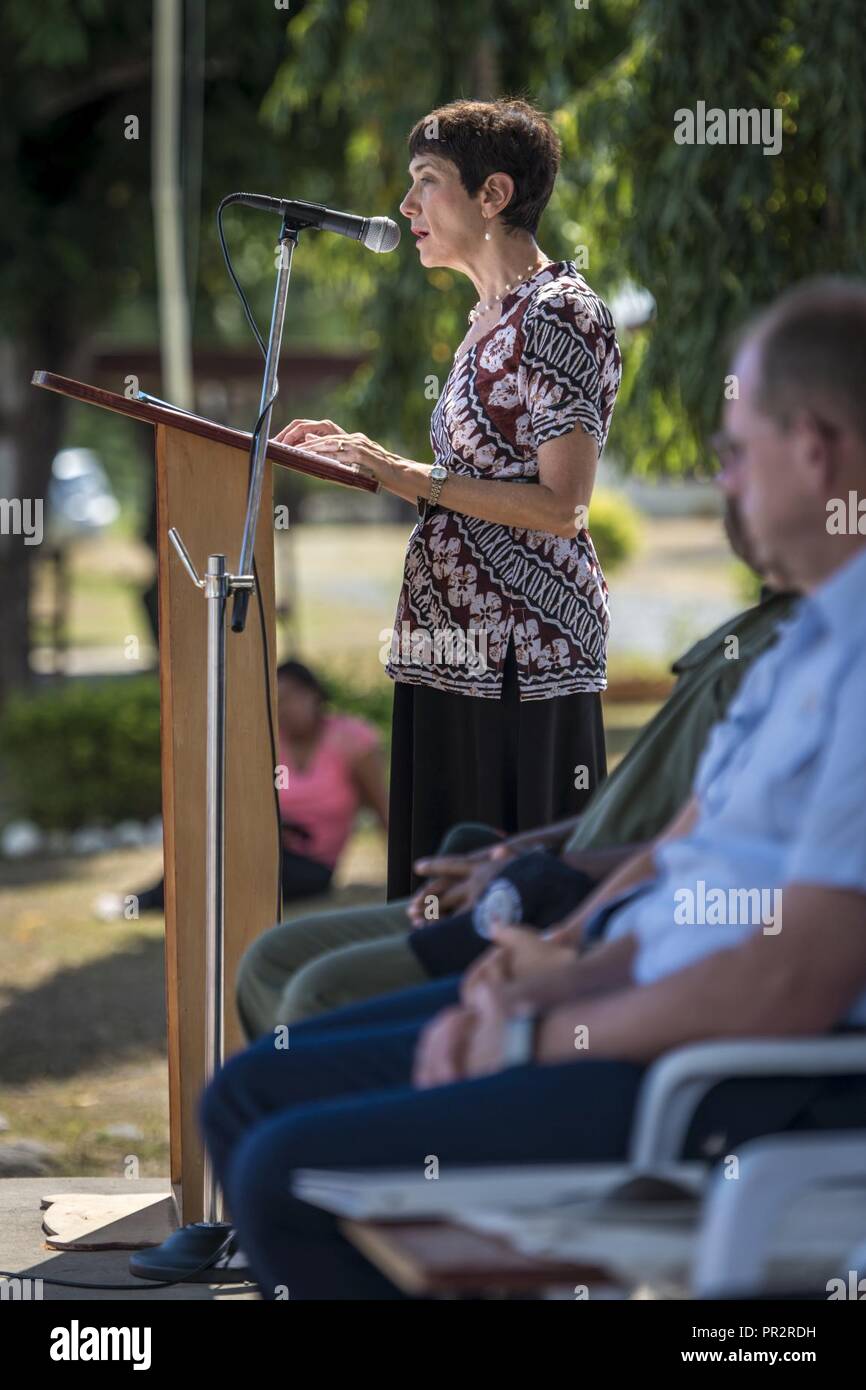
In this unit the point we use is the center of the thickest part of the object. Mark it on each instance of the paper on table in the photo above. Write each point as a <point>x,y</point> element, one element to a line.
<point>811,1243</point>
<point>399,1194</point>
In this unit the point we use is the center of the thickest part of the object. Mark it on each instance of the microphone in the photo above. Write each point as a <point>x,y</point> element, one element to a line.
<point>376,233</point>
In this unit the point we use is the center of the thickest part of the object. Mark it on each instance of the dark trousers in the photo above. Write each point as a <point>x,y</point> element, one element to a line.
<point>301,878</point>
<point>507,762</point>
<point>340,1097</point>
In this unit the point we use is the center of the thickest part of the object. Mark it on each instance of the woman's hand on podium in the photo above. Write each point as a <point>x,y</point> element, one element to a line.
<point>299,432</point>
<point>398,475</point>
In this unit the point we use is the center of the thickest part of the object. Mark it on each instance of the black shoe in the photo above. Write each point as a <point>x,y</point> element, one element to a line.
<point>202,1253</point>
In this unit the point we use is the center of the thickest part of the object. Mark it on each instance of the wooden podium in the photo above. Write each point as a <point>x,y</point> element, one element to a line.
<point>201,485</point>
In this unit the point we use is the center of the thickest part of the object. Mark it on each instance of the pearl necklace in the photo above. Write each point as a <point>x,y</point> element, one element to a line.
<point>497,298</point>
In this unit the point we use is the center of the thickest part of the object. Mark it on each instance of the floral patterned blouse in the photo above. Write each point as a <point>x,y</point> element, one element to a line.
<point>552,362</point>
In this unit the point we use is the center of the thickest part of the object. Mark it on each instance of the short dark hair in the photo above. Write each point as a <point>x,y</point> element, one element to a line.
<point>296,671</point>
<point>507,136</point>
<point>812,346</point>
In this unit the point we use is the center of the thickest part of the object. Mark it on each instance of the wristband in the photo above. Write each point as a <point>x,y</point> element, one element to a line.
<point>519,1041</point>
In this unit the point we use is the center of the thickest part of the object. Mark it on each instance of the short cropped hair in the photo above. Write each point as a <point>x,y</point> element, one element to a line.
<point>812,352</point>
<point>507,136</point>
<point>296,671</point>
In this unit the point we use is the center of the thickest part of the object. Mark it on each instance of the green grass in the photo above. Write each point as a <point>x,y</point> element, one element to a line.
<point>82,1027</point>
<point>82,1006</point>
<point>106,578</point>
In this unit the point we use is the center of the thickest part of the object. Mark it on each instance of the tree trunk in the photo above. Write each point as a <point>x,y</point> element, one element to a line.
<point>31,430</point>
<point>485,76</point>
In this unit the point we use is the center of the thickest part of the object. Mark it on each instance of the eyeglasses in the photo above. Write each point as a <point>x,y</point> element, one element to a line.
<point>730,452</point>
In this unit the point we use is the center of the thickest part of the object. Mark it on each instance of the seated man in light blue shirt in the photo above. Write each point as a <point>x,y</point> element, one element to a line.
<point>747,917</point>
<point>774,836</point>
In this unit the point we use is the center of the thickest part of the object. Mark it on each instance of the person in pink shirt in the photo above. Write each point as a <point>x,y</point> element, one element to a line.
<point>331,764</point>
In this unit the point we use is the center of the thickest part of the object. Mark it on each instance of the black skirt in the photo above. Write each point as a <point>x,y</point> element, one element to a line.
<point>508,763</point>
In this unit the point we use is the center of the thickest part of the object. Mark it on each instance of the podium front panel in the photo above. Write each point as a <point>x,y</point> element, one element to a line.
<point>201,490</point>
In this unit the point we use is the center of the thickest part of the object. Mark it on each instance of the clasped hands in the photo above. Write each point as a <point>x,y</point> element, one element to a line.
<point>468,1039</point>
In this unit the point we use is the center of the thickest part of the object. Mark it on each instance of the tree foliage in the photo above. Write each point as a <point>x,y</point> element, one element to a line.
<point>355,80</point>
<point>76,243</point>
<point>713,231</point>
<point>318,105</point>
<point>716,231</point>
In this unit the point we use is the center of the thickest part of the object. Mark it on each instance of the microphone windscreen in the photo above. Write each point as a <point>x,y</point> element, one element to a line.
<point>382,234</point>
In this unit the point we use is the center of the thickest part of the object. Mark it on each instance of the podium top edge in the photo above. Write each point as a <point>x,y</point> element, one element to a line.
<point>296,459</point>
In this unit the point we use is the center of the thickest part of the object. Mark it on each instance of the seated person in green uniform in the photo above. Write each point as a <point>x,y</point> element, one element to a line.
<point>325,961</point>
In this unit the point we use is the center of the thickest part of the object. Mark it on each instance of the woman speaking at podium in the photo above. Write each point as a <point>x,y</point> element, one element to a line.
<point>499,644</point>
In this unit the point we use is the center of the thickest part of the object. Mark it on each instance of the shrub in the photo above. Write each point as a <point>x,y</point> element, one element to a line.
<point>747,583</point>
<point>86,753</point>
<point>615,527</point>
<point>371,701</point>
<point>83,753</point>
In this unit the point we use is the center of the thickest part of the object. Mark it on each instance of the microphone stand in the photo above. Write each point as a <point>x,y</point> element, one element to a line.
<point>189,1253</point>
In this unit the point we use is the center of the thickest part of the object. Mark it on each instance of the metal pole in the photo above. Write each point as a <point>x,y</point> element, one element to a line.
<point>216,592</point>
<point>288,242</point>
<point>168,60</point>
<point>217,584</point>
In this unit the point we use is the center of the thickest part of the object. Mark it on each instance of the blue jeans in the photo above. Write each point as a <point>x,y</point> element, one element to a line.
<point>340,1097</point>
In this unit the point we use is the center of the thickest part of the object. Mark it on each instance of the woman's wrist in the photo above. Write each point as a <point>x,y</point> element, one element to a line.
<point>407,478</point>
<point>422,481</point>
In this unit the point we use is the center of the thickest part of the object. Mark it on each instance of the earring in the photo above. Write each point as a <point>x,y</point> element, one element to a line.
<point>487,236</point>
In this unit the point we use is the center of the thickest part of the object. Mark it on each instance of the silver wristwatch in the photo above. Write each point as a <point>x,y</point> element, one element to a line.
<point>438,473</point>
<point>519,1040</point>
